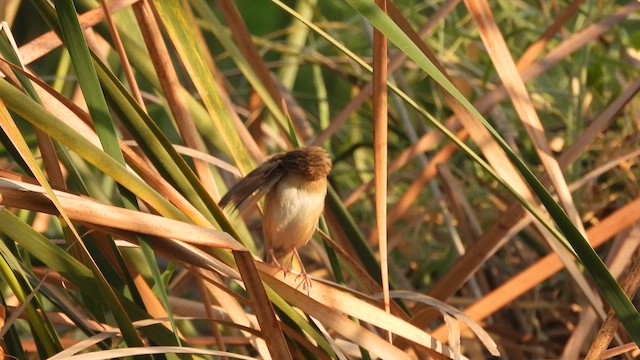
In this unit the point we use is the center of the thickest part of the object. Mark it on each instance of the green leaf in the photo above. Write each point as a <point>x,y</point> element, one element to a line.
<point>605,282</point>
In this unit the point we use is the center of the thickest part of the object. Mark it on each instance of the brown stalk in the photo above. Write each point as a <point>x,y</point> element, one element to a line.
<point>122,55</point>
<point>269,325</point>
<point>171,88</point>
<point>489,100</point>
<point>49,41</point>
<point>516,218</point>
<point>396,61</point>
<point>547,266</point>
<point>26,196</point>
<point>620,256</point>
<point>630,285</point>
<point>513,83</point>
<point>380,135</point>
<point>246,45</point>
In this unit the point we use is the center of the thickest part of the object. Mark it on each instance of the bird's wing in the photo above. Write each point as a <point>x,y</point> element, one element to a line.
<point>257,183</point>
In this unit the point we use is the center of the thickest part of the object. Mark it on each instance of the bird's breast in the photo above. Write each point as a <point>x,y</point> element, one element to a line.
<point>291,212</point>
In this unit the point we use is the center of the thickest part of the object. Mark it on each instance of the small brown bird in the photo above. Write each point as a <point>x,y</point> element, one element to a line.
<point>295,185</point>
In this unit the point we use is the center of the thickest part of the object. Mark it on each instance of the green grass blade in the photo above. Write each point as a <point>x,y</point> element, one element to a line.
<point>600,274</point>
<point>87,77</point>
<point>9,267</point>
<point>57,129</point>
<point>214,25</point>
<point>354,235</point>
<point>184,39</point>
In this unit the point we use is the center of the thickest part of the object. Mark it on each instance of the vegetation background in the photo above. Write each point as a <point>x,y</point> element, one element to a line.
<point>122,128</point>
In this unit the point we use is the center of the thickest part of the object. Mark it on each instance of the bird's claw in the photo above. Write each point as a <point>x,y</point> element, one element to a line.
<point>306,279</point>
<point>306,282</point>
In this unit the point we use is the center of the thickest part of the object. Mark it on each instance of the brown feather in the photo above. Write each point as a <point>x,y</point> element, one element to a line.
<point>258,182</point>
<point>312,162</point>
<point>295,185</point>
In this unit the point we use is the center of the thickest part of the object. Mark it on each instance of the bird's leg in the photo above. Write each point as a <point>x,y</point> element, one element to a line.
<point>306,279</point>
<point>275,262</point>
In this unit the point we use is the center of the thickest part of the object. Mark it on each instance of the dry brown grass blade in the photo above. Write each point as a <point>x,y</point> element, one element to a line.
<point>380,135</point>
<point>513,83</point>
<point>28,196</point>
<point>532,52</point>
<point>172,89</point>
<point>519,284</point>
<point>622,252</point>
<point>396,61</point>
<point>488,101</point>
<point>124,60</point>
<point>45,43</point>
<point>269,326</point>
<point>514,218</point>
<point>331,306</point>
<point>630,285</point>
<point>245,43</point>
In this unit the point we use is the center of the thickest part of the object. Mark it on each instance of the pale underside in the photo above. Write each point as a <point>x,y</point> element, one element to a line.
<point>291,213</point>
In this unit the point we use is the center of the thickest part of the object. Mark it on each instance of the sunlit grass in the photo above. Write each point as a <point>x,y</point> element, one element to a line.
<point>144,261</point>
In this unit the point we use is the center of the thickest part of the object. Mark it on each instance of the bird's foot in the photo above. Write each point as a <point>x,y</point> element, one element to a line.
<point>306,279</point>
<point>306,282</point>
<point>303,279</point>
<point>277,264</point>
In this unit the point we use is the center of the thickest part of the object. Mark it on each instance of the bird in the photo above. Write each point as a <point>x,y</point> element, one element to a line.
<point>294,185</point>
